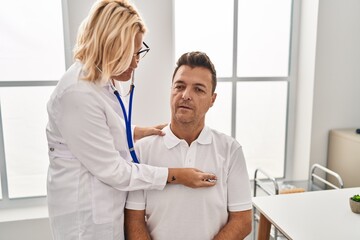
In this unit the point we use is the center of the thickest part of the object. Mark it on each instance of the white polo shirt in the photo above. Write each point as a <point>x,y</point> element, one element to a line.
<point>179,212</point>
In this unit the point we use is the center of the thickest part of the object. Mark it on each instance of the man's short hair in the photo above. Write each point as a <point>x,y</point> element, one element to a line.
<point>197,59</point>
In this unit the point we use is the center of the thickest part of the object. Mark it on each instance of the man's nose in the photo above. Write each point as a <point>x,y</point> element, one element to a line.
<point>186,95</point>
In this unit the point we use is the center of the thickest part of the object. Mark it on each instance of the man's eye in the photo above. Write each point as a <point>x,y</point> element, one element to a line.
<point>199,89</point>
<point>178,87</point>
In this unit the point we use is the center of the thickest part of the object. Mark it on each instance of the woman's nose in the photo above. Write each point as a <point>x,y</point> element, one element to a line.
<point>135,62</point>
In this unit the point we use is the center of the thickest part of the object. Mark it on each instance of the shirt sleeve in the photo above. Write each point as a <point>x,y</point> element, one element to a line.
<point>83,124</point>
<point>239,192</point>
<point>136,200</point>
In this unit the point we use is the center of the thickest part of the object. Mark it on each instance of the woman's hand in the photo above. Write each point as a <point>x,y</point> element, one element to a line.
<point>191,177</point>
<point>140,132</point>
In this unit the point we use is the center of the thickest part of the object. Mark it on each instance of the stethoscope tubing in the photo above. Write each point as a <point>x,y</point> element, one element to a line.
<point>127,118</point>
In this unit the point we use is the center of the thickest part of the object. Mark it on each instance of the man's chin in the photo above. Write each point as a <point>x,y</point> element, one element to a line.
<point>181,118</point>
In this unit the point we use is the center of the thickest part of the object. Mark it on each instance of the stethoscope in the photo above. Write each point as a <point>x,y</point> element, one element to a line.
<point>127,116</point>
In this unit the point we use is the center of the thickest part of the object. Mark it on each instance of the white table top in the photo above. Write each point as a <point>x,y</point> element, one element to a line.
<point>314,215</point>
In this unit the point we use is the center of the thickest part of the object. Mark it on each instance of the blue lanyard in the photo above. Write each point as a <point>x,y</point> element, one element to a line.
<point>127,118</point>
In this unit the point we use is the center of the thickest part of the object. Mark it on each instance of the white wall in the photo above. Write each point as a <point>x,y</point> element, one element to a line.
<point>153,76</point>
<point>305,82</point>
<point>337,73</point>
<point>329,77</point>
<point>73,13</point>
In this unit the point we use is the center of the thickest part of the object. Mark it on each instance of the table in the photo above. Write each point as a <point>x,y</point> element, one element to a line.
<point>309,215</point>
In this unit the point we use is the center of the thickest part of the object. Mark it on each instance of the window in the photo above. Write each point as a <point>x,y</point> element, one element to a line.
<point>23,118</point>
<point>222,105</point>
<point>209,30</point>
<point>249,42</point>
<point>32,61</point>
<point>263,38</point>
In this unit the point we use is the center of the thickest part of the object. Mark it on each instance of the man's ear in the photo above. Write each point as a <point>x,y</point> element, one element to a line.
<point>213,98</point>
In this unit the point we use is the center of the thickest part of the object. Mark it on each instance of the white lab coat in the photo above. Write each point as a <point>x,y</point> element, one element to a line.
<point>90,170</point>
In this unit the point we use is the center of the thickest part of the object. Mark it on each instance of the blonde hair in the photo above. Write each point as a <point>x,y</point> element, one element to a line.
<point>105,41</point>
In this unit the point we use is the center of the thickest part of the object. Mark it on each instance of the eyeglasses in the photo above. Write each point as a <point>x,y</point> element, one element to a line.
<point>142,53</point>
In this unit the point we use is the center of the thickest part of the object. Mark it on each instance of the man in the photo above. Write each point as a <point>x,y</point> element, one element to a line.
<point>177,212</point>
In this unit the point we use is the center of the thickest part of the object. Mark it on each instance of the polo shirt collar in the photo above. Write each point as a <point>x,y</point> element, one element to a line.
<point>171,140</point>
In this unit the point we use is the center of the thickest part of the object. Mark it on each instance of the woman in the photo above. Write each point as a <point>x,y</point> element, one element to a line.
<point>90,164</point>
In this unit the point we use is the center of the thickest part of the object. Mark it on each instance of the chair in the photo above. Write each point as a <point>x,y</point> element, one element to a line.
<point>316,180</point>
<point>318,176</point>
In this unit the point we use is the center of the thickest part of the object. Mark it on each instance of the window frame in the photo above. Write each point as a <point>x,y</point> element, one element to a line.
<point>6,201</point>
<point>291,80</point>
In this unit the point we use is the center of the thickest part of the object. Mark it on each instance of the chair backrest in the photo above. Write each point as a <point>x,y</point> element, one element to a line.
<point>263,182</point>
<point>318,176</point>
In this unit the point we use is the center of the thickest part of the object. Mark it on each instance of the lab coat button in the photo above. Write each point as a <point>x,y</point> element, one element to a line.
<point>52,149</point>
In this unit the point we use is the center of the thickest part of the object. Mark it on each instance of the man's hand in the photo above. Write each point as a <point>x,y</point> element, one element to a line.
<point>140,132</point>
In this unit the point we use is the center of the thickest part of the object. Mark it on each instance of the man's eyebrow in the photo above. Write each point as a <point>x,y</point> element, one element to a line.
<point>196,84</point>
<point>200,85</point>
<point>179,81</point>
